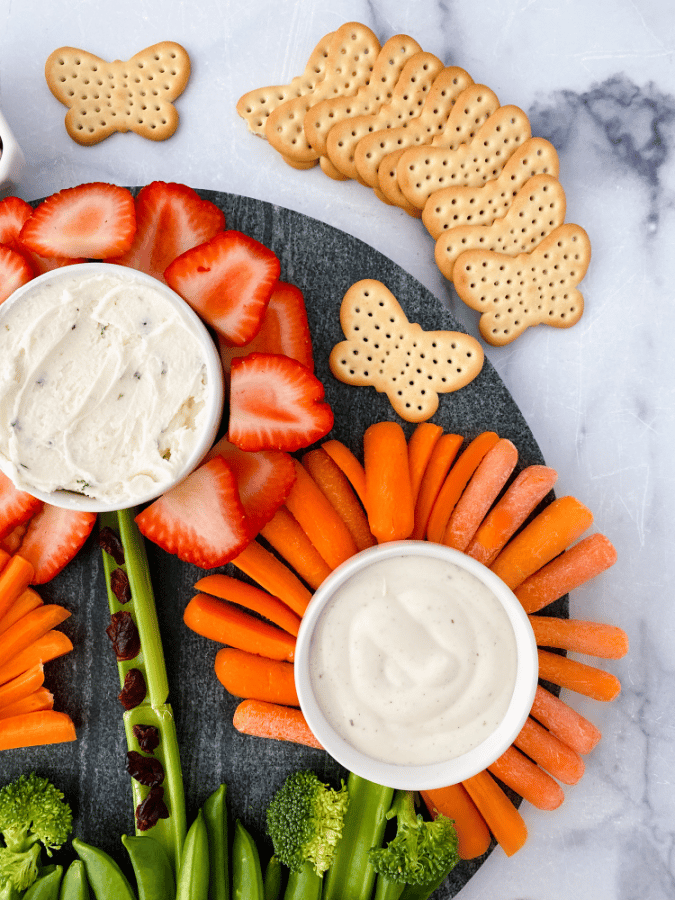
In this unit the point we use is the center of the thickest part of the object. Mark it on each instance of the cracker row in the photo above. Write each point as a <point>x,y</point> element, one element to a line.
<point>513,293</point>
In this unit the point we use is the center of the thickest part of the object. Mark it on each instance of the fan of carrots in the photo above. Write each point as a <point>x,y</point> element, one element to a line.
<point>439,488</point>
<point>28,639</point>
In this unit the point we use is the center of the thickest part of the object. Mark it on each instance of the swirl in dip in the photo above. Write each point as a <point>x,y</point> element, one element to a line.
<point>413,661</point>
<point>103,386</point>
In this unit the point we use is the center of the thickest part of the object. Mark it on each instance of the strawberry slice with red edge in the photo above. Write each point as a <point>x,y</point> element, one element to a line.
<point>201,520</point>
<point>284,330</point>
<point>264,480</point>
<point>276,403</point>
<point>170,219</point>
<point>53,538</point>
<point>14,272</point>
<point>94,221</point>
<point>16,507</point>
<point>14,213</point>
<point>228,281</point>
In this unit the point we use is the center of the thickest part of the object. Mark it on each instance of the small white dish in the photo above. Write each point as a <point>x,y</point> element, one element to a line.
<point>11,157</point>
<point>447,771</point>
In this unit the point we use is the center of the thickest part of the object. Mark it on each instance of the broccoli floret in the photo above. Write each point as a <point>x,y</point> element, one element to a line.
<point>33,813</point>
<point>304,820</point>
<point>420,851</point>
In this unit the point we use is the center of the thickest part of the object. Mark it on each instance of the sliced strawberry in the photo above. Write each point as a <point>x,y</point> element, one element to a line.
<point>201,520</point>
<point>53,538</point>
<point>13,215</point>
<point>16,507</point>
<point>170,219</point>
<point>12,542</point>
<point>14,272</point>
<point>94,221</point>
<point>284,330</point>
<point>228,281</point>
<point>275,404</point>
<point>264,480</point>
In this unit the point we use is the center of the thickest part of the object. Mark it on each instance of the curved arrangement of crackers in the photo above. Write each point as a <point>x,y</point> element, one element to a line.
<point>427,139</point>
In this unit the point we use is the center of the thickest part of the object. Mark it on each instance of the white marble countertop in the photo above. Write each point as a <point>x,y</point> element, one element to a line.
<point>597,77</point>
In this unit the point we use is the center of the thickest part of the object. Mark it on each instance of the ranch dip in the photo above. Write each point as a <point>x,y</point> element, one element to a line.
<point>102,387</point>
<point>413,661</point>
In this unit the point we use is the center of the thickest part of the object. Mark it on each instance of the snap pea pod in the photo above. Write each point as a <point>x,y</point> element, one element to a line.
<point>75,885</point>
<point>193,880</point>
<point>152,867</point>
<point>46,887</point>
<point>247,880</point>
<point>304,885</point>
<point>215,818</point>
<point>272,879</point>
<point>154,709</point>
<point>106,880</point>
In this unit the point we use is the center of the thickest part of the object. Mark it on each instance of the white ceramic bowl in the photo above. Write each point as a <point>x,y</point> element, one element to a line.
<point>210,423</point>
<point>11,160</point>
<point>449,771</point>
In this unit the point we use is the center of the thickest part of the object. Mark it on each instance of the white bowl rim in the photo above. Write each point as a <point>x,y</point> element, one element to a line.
<point>214,369</point>
<point>447,772</point>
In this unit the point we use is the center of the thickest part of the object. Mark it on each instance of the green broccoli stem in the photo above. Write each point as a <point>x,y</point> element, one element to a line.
<point>154,709</point>
<point>351,876</point>
<point>304,885</point>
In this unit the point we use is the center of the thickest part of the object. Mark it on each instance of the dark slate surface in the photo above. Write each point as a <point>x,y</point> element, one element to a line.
<point>324,263</point>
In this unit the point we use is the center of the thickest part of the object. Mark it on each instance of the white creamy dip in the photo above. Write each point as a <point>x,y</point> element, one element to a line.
<point>413,661</point>
<point>103,387</point>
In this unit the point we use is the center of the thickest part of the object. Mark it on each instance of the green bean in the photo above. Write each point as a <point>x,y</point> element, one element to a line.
<point>304,885</point>
<point>247,881</point>
<point>193,877</point>
<point>272,879</point>
<point>75,885</point>
<point>215,818</point>
<point>106,880</point>
<point>46,887</point>
<point>152,867</point>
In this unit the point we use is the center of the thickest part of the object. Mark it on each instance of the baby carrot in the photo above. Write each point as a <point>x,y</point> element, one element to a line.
<point>564,722</point>
<point>577,676</point>
<point>273,576</point>
<point>22,685</point>
<point>453,801</point>
<point>290,541</point>
<point>586,559</point>
<point>252,598</point>
<point>27,601</point>
<point>442,457</point>
<point>29,628</point>
<point>316,516</point>
<point>345,459</point>
<point>39,699</point>
<point>491,473</point>
<point>36,728</point>
<point>255,677</point>
<point>272,720</point>
<point>501,816</point>
<point>420,447</point>
<point>45,648</point>
<point>527,490</point>
<point>592,638</point>
<point>14,579</point>
<point>335,485</point>
<point>526,778</point>
<point>388,492</point>
<point>551,532</point>
<point>550,752</point>
<point>221,621</point>
<point>4,558</point>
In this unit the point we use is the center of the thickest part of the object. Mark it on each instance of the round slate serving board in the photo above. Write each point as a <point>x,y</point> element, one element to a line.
<point>323,262</point>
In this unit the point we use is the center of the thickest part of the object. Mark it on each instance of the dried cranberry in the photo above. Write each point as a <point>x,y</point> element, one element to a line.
<point>119,583</point>
<point>134,689</point>
<point>147,737</point>
<point>124,635</point>
<point>147,770</point>
<point>110,542</point>
<point>152,809</point>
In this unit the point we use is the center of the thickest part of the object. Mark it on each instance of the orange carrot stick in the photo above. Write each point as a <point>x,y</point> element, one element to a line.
<point>528,489</point>
<point>252,598</point>
<point>22,685</point>
<point>592,638</point>
<point>483,487</point>
<point>39,699</point>
<point>4,558</point>
<point>442,457</point>
<point>586,559</point>
<point>388,492</point>
<point>316,516</point>
<point>551,532</point>
<point>290,541</point>
<point>473,835</point>
<point>564,722</point>
<point>272,720</point>
<point>256,678</point>
<point>526,778</point>
<point>36,728</point>
<point>27,601</point>
<point>335,485</point>
<point>345,459</point>
<point>221,621</point>
<point>29,628</point>
<point>550,752</point>
<point>51,645</point>
<point>273,576</point>
<point>14,579</point>
<point>577,676</point>
<point>455,482</point>
<point>420,447</point>
<point>501,816</point>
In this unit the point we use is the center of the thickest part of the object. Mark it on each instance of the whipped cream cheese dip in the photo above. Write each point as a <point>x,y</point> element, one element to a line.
<point>413,661</point>
<point>103,385</point>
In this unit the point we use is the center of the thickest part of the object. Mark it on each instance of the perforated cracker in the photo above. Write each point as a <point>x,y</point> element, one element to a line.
<point>353,51</point>
<point>538,208</point>
<point>423,170</point>
<point>104,97</point>
<point>537,288</point>
<point>396,357</point>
